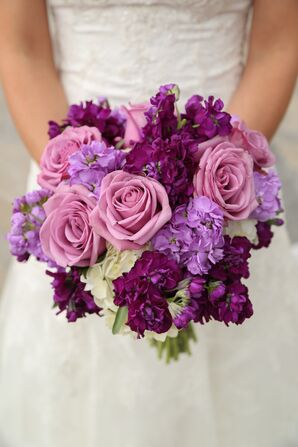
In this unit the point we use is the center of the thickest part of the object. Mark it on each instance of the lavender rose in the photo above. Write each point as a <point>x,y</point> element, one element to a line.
<point>225,175</point>
<point>66,235</point>
<point>54,160</point>
<point>135,120</point>
<point>130,210</point>
<point>253,141</point>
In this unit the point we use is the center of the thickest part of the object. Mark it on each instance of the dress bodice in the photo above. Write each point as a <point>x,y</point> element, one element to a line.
<point>125,49</point>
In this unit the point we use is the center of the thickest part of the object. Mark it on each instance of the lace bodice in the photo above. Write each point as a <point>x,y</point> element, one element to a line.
<point>125,49</point>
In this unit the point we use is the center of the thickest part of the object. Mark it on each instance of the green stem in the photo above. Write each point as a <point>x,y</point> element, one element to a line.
<point>172,348</point>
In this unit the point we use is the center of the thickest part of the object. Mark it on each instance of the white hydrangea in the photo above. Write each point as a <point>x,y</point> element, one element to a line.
<point>99,278</point>
<point>246,227</point>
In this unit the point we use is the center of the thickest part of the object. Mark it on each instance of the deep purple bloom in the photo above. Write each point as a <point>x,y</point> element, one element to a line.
<point>169,161</point>
<point>267,187</point>
<point>142,290</point>
<point>227,302</point>
<point>162,121</point>
<point>194,235</point>
<point>70,296</point>
<point>54,129</point>
<point>206,118</point>
<point>109,123</point>
<point>187,314</point>
<point>196,286</point>
<point>149,311</point>
<point>193,303</point>
<point>154,268</point>
<point>235,260</point>
<point>216,290</point>
<point>235,307</point>
<point>88,166</point>
<point>27,217</point>
<point>265,234</point>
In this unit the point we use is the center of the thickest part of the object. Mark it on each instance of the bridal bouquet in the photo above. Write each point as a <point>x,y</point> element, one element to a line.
<point>147,216</point>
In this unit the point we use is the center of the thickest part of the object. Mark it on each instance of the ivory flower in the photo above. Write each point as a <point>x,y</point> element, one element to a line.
<point>99,278</point>
<point>246,228</point>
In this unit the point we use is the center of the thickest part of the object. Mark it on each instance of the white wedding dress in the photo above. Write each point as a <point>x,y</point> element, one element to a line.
<point>77,385</point>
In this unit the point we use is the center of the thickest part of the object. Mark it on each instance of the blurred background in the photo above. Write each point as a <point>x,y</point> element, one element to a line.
<point>15,165</point>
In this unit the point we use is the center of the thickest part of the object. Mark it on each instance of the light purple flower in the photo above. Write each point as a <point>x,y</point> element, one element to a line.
<point>27,218</point>
<point>89,166</point>
<point>267,187</point>
<point>194,235</point>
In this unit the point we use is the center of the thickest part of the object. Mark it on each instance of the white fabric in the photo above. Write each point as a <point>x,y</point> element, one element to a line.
<point>76,385</point>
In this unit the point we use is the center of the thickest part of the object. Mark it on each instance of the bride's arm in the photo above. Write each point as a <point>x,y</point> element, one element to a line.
<point>265,89</point>
<point>29,77</point>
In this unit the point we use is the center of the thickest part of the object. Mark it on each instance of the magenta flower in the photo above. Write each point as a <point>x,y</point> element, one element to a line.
<point>265,233</point>
<point>109,123</point>
<point>234,264</point>
<point>206,118</point>
<point>161,117</point>
<point>143,289</point>
<point>169,161</point>
<point>235,307</point>
<point>70,296</point>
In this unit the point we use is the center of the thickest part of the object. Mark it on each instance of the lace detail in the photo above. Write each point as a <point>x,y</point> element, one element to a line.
<point>74,385</point>
<point>125,49</point>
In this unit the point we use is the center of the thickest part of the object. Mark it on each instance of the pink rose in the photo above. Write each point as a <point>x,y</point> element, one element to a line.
<point>54,160</point>
<point>252,141</point>
<point>135,120</point>
<point>66,235</point>
<point>206,145</point>
<point>225,175</point>
<point>130,210</point>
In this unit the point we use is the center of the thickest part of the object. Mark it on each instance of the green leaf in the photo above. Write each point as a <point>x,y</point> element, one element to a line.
<point>121,318</point>
<point>181,123</point>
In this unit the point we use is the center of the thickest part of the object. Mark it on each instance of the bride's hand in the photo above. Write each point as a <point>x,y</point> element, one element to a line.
<point>265,89</point>
<point>30,79</point>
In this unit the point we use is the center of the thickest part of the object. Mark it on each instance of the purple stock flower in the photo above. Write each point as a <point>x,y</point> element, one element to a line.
<point>70,296</point>
<point>109,123</point>
<point>216,290</point>
<point>206,118</point>
<point>149,311</point>
<point>88,166</point>
<point>267,187</point>
<point>55,129</point>
<point>161,118</point>
<point>187,308</point>
<point>141,290</point>
<point>264,232</point>
<point>27,217</point>
<point>168,161</point>
<point>194,235</point>
<point>234,264</point>
<point>216,300</point>
<point>235,306</point>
